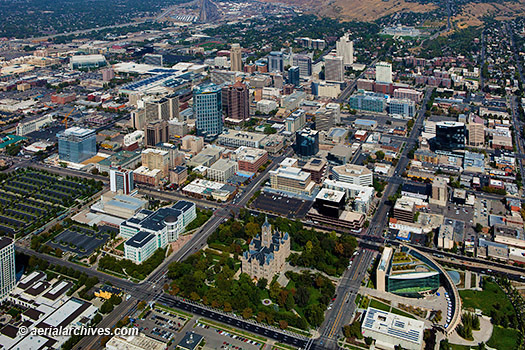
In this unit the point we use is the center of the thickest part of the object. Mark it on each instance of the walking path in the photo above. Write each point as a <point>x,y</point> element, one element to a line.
<point>483,335</point>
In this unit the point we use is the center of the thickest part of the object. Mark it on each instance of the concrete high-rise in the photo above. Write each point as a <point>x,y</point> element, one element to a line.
<point>304,63</point>
<point>156,132</point>
<point>236,58</point>
<point>275,62</point>
<point>121,180</point>
<point>236,102</point>
<point>345,48</point>
<point>166,108</point>
<point>207,110</point>
<point>76,144</point>
<point>7,267</point>
<point>333,68</point>
<point>384,72</point>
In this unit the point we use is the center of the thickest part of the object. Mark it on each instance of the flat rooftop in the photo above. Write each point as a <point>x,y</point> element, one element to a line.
<point>394,325</point>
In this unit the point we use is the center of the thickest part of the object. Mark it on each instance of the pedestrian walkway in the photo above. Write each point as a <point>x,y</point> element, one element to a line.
<point>483,335</point>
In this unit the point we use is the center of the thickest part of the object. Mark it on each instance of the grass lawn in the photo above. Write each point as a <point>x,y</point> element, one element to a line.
<point>290,285</point>
<point>486,299</point>
<point>379,305</point>
<point>120,247</point>
<point>473,280</point>
<point>504,338</point>
<point>461,347</point>
<point>403,313</point>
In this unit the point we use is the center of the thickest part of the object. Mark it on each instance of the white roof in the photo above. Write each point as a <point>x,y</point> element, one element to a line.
<point>393,325</point>
<point>63,312</point>
<point>330,195</point>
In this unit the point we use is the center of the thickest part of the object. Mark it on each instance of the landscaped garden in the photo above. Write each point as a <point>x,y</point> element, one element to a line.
<point>492,301</point>
<point>30,198</point>
<point>213,276</point>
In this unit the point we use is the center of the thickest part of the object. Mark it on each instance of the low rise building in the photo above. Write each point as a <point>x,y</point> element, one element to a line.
<point>148,231</point>
<point>178,175</point>
<point>222,170</point>
<point>233,138</point>
<point>250,159</point>
<point>147,176</point>
<point>192,144</point>
<point>362,195</point>
<point>119,205</point>
<point>291,179</point>
<point>353,174</point>
<point>390,330</point>
<point>139,342</point>
<point>316,167</point>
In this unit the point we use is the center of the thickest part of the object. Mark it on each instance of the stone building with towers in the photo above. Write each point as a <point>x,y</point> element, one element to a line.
<point>267,253</point>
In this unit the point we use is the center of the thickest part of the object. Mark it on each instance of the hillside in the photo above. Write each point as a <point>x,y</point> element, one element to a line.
<point>370,10</point>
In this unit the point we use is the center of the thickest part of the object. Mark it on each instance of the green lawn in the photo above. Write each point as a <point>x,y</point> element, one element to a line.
<point>120,247</point>
<point>504,338</point>
<point>461,347</point>
<point>486,299</point>
<point>402,313</point>
<point>473,280</point>
<point>379,305</point>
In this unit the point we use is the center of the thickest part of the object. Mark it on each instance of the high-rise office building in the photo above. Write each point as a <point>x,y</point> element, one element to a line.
<point>153,59</point>
<point>333,68</point>
<point>7,267</point>
<point>476,134</point>
<point>166,108</point>
<point>383,72</point>
<point>345,48</point>
<point>157,109</point>
<point>275,62</point>
<point>304,63</point>
<point>155,132</point>
<point>121,180</point>
<point>207,110</point>
<point>306,143</point>
<point>449,136</point>
<point>76,144</point>
<point>236,58</point>
<point>294,76</point>
<point>153,158</point>
<point>108,74</point>
<point>236,102</point>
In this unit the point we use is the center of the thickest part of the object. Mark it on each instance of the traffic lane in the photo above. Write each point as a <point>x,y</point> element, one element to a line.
<point>213,315</point>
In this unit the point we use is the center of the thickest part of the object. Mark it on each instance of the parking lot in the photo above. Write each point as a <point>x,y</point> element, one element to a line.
<point>219,339</point>
<point>79,240</point>
<point>282,205</point>
<point>162,325</point>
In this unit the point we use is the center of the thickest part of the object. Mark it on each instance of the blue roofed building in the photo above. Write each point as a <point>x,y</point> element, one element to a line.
<point>141,246</point>
<point>163,225</point>
<point>267,253</point>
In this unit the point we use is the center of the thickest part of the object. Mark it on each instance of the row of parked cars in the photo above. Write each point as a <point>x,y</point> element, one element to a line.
<point>227,345</point>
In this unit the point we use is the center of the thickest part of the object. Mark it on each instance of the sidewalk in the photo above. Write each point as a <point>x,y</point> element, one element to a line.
<point>483,335</point>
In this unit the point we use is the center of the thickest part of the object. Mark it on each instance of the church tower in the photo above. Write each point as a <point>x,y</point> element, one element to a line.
<point>266,234</point>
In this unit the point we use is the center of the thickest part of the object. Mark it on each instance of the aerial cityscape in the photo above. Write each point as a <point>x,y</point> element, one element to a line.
<point>261,175</point>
